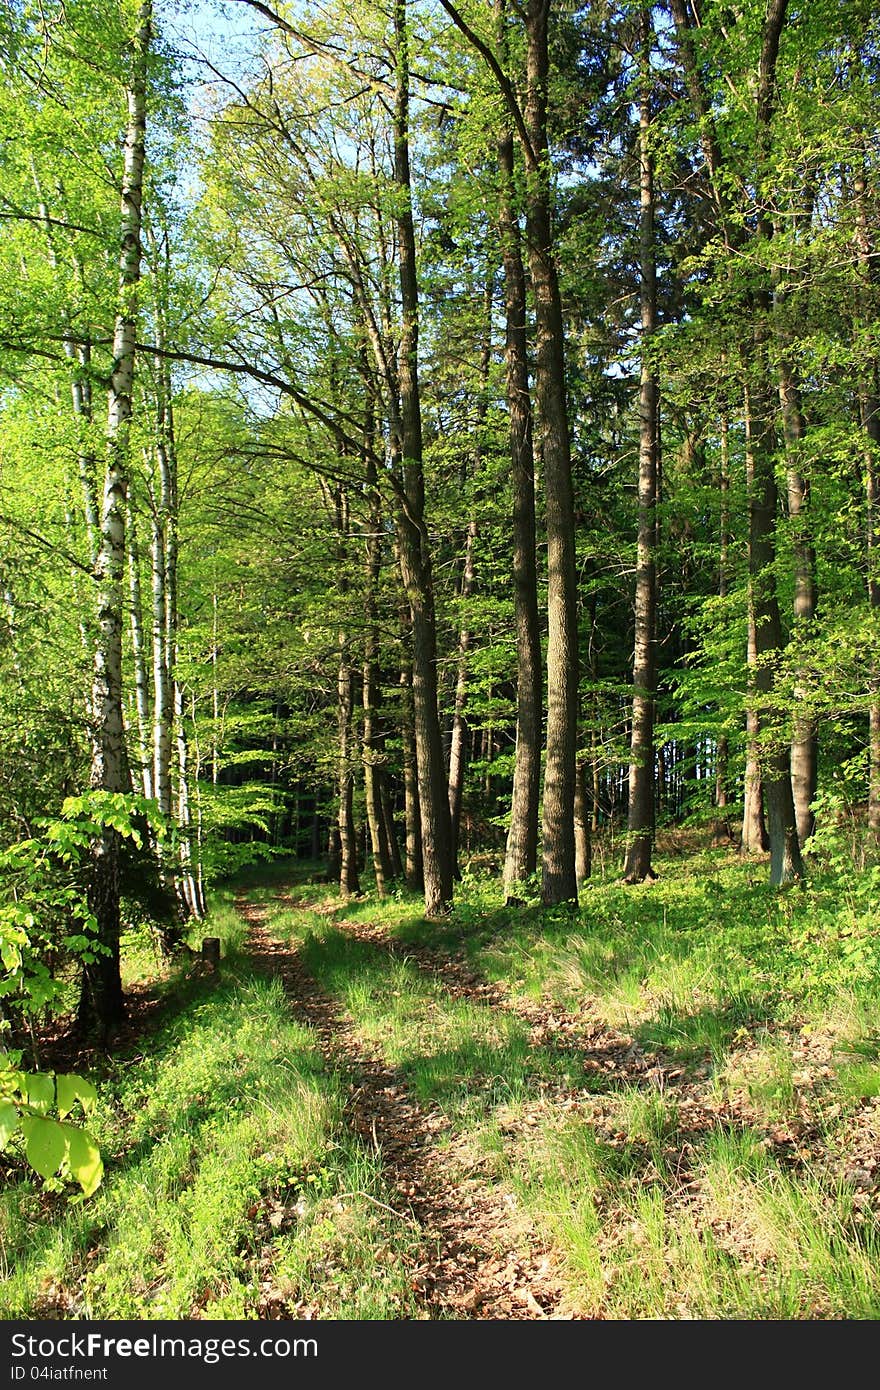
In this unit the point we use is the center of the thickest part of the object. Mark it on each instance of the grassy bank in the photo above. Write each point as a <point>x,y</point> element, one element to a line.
<point>678,1086</point>
<point>695,1122</point>
<point>233,1189</point>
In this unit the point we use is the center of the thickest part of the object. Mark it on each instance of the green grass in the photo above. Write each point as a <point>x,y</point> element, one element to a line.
<point>225,1125</point>
<point>463,1056</point>
<point>723,983</point>
<point>693,1157</point>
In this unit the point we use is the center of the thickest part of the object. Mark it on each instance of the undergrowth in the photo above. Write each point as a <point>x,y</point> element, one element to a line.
<point>681,1094</point>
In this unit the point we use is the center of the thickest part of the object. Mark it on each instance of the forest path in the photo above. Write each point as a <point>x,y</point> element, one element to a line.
<point>478,1256</point>
<point>609,1059</point>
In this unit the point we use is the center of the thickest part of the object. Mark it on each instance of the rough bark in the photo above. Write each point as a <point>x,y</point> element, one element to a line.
<point>640,819</point>
<point>521,856</point>
<point>559,879</point>
<point>869,410</point>
<point>101,1004</point>
<point>414,548</point>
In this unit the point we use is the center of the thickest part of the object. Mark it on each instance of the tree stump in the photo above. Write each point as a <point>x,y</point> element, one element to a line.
<point>211,953</point>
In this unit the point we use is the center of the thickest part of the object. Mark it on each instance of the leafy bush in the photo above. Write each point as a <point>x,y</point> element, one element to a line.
<point>47,930</point>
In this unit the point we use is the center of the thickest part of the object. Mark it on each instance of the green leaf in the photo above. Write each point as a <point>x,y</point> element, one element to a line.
<point>73,1088</point>
<point>8,1122</point>
<point>11,956</point>
<point>38,1090</point>
<point>46,1146</point>
<point>84,1159</point>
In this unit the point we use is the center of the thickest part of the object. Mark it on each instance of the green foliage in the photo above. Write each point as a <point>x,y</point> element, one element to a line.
<point>45,927</point>
<point>46,924</point>
<point>55,1150</point>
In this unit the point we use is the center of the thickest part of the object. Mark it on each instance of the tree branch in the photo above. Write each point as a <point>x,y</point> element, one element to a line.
<point>505,85</point>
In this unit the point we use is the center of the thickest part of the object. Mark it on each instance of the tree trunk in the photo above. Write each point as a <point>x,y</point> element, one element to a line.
<point>373,768</point>
<point>785,855</point>
<point>521,857</point>
<point>458,741</point>
<point>640,823</point>
<point>583,840</point>
<point>169,737</point>
<point>754,828</point>
<point>559,879</point>
<point>163,695</point>
<point>334,853</point>
<point>413,541</point>
<point>163,548</point>
<point>188,877</point>
<point>785,859</point>
<point>101,1004</point>
<point>349,881</point>
<point>138,648</point>
<point>804,742</point>
<point>869,409</point>
<point>722,752</point>
<point>397,869</point>
<point>412,818</point>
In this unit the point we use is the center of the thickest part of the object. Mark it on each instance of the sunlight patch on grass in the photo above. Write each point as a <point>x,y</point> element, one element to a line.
<point>454,1052</point>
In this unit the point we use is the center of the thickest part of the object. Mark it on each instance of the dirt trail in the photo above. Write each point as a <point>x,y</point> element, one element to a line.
<point>478,1256</point>
<point>608,1059</point>
<point>598,1048</point>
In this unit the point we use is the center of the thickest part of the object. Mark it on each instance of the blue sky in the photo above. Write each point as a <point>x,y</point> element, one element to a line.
<point>212,32</point>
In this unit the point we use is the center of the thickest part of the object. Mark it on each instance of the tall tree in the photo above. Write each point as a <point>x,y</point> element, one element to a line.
<point>101,999</point>
<point>558,873</point>
<point>521,857</point>
<point>751,233</point>
<point>414,541</point>
<point>641,768</point>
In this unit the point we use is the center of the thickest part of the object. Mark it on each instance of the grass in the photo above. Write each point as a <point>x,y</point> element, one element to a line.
<point>702,1139</point>
<point>226,1157</point>
<point>722,1194</point>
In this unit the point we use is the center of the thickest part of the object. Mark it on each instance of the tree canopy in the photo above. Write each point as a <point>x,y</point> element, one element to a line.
<point>431,434</point>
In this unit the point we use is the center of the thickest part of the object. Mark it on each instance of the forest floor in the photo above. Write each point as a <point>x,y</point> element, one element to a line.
<point>474,1255</point>
<point>664,1105</point>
